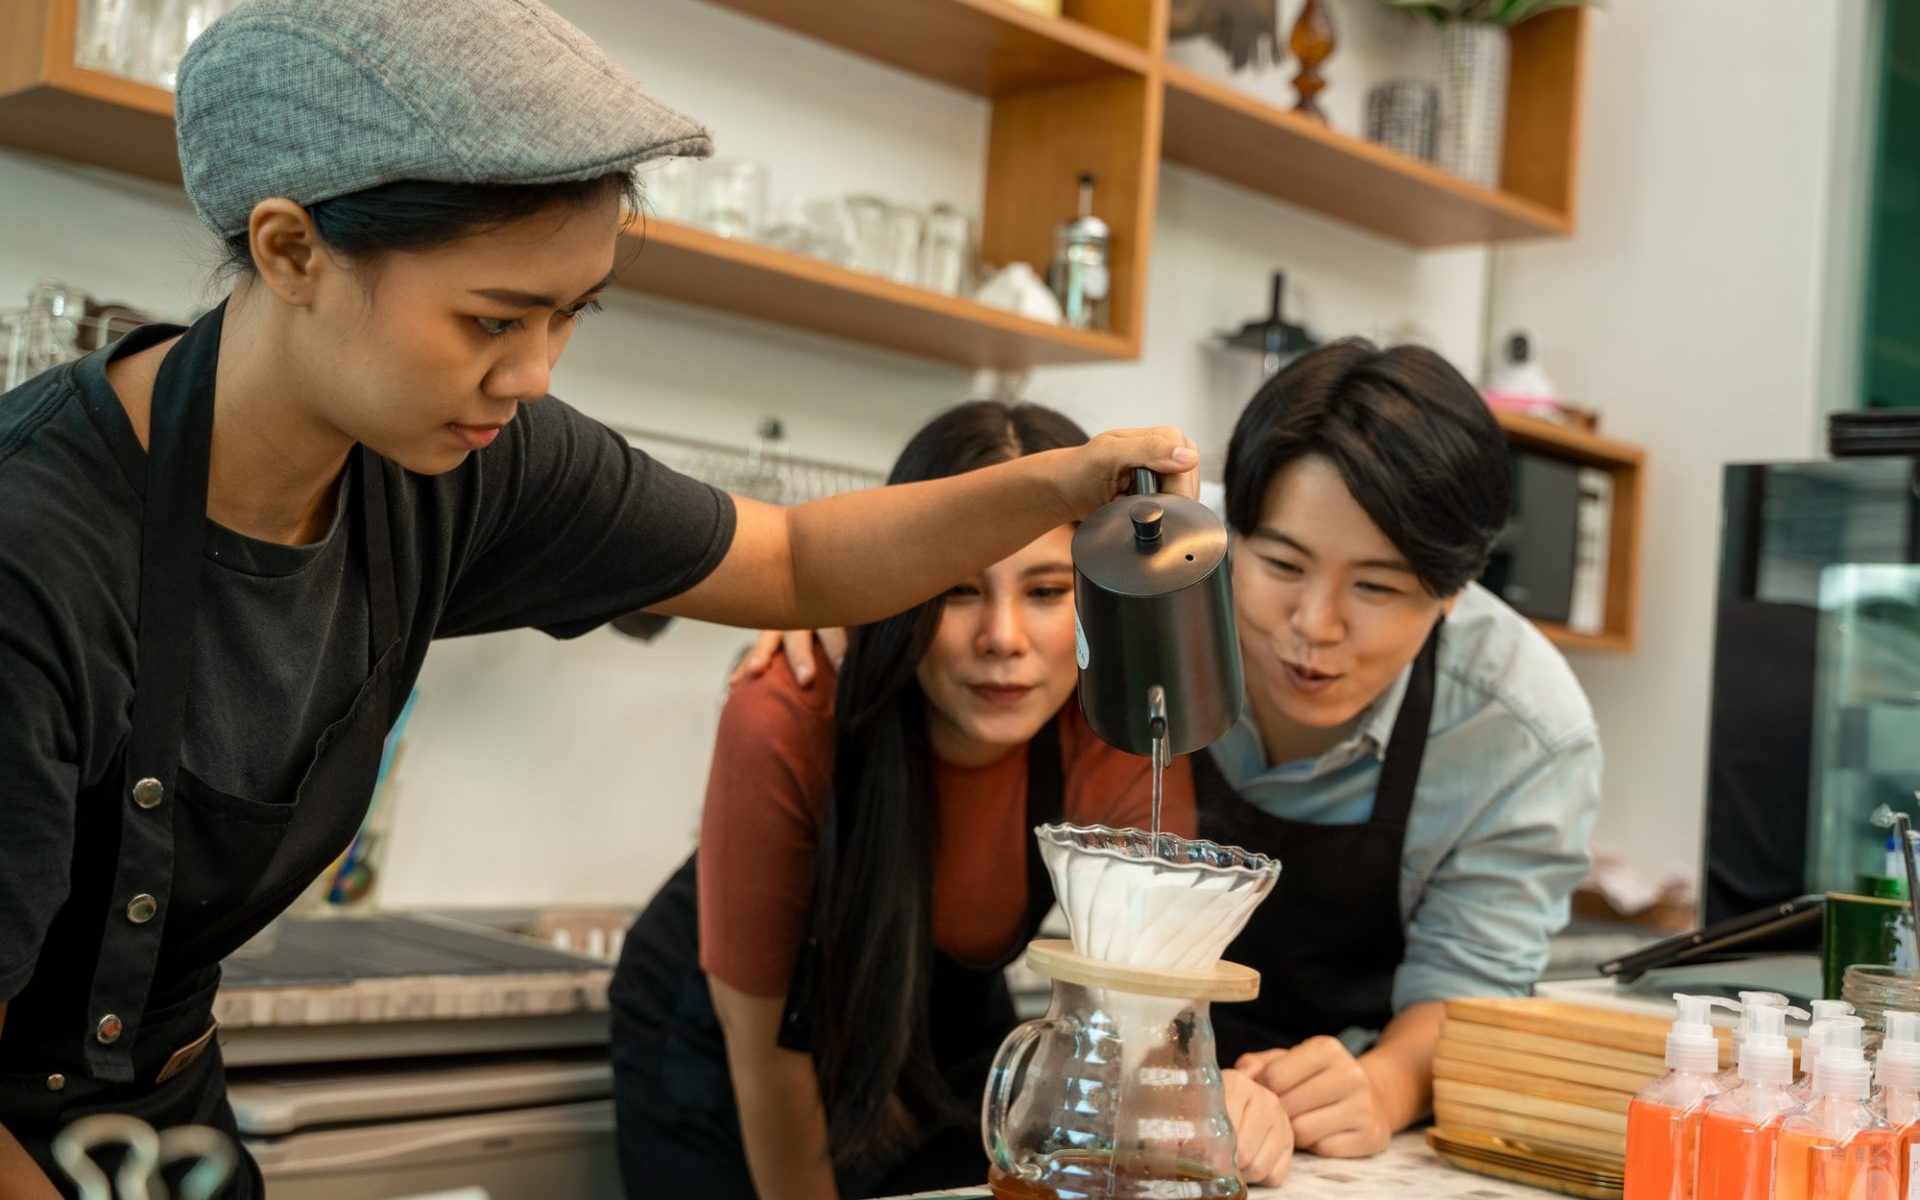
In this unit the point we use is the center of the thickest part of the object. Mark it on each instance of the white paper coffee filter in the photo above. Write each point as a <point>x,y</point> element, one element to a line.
<point>1175,905</point>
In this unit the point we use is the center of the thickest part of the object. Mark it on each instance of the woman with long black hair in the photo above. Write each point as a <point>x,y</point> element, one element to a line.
<point>808,1008</point>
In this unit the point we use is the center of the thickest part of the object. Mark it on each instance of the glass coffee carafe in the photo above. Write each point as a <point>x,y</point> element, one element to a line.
<point>1115,1094</point>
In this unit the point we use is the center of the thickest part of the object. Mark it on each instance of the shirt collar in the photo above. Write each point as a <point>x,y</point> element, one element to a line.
<point>1377,725</point>
<point>1243,760</point>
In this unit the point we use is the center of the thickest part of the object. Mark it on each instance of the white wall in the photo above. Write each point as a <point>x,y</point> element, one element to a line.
<point>543,772</point>
<point>1690,311</point>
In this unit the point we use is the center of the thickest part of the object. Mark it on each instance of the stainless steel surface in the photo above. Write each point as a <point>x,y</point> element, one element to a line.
<point>1154,600</point>
<point>1905,827</point>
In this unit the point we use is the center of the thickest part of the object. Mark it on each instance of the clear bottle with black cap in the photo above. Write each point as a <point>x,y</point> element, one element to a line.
<point>1081,275</point>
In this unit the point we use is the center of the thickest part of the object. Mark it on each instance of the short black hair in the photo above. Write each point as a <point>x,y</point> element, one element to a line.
<point>1416,445</point>
<point>417,214</point>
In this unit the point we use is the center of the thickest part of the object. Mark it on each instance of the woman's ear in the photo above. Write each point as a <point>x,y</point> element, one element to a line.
<point>287,254</point>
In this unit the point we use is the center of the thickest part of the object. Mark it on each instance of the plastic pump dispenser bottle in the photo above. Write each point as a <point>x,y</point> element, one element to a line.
<point>1899,1078</point>
<point>1825,1012</point>
<point>1739,1128</point>
<point>1837,1147</point>
<point>1750,1002</point>
<point>1663,1122</point>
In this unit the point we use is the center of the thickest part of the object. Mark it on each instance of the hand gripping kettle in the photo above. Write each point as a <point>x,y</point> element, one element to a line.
<point>1153,598</point>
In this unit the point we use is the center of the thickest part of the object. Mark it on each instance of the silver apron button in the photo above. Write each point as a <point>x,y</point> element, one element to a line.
<point>147,792</point>
<point>56,1082</point>
<point>141,908</point>
<point>108,1031</point>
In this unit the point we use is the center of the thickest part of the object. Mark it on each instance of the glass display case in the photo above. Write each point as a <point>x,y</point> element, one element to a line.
<point>1796,541</point>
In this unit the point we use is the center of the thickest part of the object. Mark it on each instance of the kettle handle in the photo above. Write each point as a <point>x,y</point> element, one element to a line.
<point>1145,482</point>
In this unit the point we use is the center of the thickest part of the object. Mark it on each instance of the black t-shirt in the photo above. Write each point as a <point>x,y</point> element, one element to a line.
<point>559,525</point>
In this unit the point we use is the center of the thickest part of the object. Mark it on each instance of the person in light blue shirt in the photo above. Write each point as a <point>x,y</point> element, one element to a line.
<point>1418,756</point>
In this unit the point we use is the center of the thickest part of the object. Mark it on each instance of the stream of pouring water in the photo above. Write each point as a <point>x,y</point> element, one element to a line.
<point>1159,770</point>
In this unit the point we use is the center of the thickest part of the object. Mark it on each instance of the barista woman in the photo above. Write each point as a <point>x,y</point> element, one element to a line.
<point>225,550</point>
<point>808,1008</point>
<point>1417,755</point>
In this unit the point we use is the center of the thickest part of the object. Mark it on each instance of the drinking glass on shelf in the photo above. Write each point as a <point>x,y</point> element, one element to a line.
<point>947,252</point>
<point>54,314</point>
<point>788,230</point>
<point>831,227</point>
<point>734,198</point>
<point>869,217</point>
<point>164,43</point>
<point>905,227</point>
<point>180,24</point>
<point>671,189</point>
<point>109,33</point>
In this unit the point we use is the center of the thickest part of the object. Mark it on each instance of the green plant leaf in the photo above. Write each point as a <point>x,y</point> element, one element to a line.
<point>1499,12</point>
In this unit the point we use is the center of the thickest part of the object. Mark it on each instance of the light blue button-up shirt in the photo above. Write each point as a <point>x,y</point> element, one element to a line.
<point>1508,792</point>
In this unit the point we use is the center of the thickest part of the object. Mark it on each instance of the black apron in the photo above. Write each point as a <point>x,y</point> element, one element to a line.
<point>98,1028</point>
<point>1329,938</point>
<point>679,1129</point>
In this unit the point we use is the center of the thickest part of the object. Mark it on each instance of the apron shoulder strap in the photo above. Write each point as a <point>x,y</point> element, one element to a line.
<point>1407,744</point>
<point>1046,805</point>
<point>172,545</point>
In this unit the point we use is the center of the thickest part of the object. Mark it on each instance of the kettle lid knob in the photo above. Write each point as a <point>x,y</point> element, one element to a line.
<point>1146,516</point>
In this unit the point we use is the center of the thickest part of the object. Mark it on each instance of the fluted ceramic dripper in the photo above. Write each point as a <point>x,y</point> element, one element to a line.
<point>1168,904</point>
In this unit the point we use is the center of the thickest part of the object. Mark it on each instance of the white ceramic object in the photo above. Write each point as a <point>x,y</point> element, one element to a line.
<point>1173,904</point>
<point>1018,289</point>
<point>1474,61</point>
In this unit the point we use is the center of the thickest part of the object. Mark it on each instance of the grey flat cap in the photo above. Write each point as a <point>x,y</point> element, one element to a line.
<point>313,99</point>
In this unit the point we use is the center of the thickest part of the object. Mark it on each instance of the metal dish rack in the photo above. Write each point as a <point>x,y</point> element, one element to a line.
<point>764,470</point>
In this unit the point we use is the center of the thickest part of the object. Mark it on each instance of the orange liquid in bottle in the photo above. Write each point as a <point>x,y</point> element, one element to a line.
<point>1736,1159</point>
<point>1904,1141</point>
<point>1661,1140</point>
<point>1809,1166</point>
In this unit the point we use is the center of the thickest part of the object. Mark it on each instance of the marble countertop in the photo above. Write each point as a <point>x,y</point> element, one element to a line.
<point>1407,1171</point>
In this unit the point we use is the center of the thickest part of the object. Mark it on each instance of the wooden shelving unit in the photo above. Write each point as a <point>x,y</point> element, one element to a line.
<point>1626,464</point>
<point>1214,127</point>
<point>1090,90</point>
<point>50,104</point>
<point>680,262</point>
<point>987,47</point>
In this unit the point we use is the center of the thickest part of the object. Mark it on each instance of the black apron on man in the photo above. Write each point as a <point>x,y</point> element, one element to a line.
<point>171,875</point>
<point>679,1127</point>
<point>1330,937</point>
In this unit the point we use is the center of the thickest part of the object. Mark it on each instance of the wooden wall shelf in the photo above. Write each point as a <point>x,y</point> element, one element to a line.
<point>1627,465</point>
<point>679,262</point>
<point>91,117</point>
<point>1216,128</point>
<point>1090,90</point>
<point>987,47</point>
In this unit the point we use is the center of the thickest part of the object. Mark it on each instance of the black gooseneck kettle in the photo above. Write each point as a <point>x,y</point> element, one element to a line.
<point>1153,601</point>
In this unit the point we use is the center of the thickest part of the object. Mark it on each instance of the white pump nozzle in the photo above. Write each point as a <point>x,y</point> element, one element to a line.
<point>1692,1045</point>
<point>1825,1013</point>
<point>1749,1001</point>
<point>1841,1069</point>
<point>1765,1056</point>
<point>1899,1060</point>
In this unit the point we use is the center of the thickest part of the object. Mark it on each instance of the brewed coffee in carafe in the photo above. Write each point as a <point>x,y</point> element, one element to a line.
<point>1115,1094</point>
